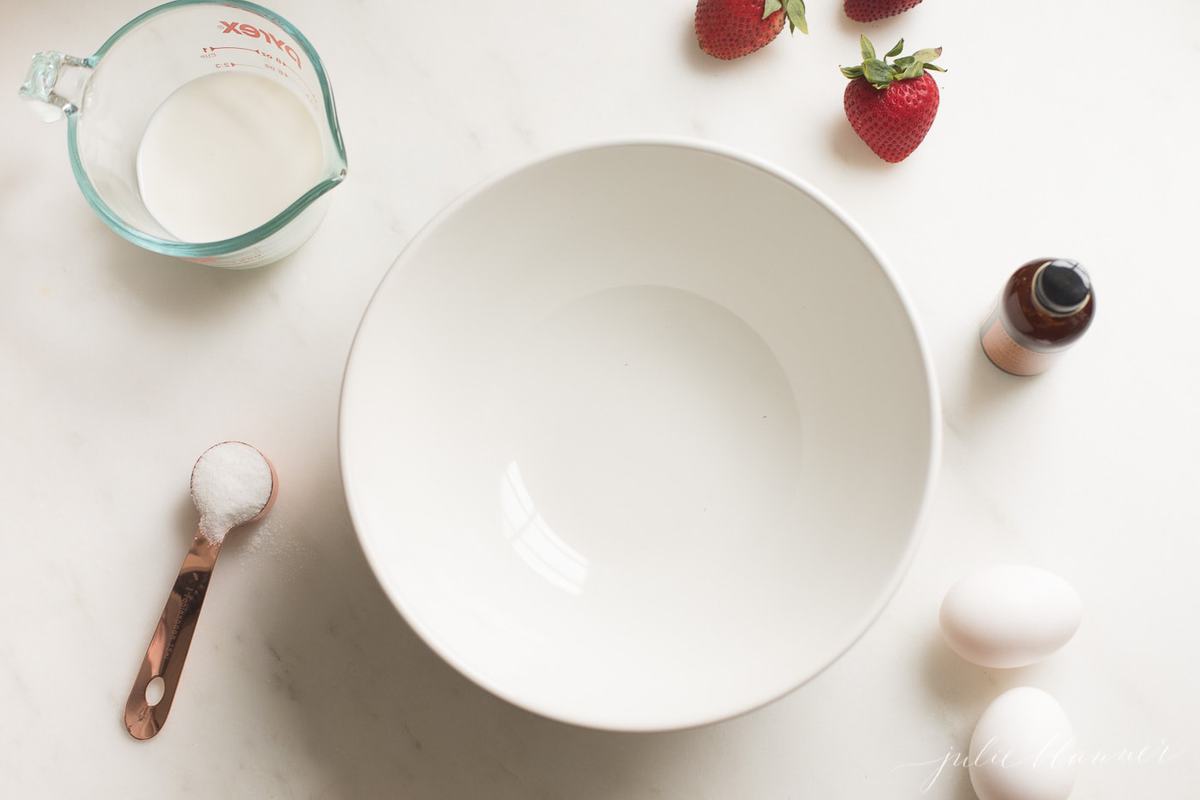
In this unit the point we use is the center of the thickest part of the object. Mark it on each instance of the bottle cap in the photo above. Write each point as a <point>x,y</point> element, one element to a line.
<point>1062,286</point>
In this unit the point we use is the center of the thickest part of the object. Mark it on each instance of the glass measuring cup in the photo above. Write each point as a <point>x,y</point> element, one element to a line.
<point>109,98</point>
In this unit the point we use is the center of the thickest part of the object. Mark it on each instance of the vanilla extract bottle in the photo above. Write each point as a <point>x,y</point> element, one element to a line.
<point>1045,307</point>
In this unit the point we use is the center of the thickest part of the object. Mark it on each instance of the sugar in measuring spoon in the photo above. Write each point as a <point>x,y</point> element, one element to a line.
<point>232,484</point>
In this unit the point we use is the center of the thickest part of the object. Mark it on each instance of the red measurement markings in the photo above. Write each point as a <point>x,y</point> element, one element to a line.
<point>230,47</point>
<point>210,52</point>
<point>308,95</point>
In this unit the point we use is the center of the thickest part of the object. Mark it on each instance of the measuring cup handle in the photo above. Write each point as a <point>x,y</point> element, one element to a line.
<point>55,82</point>
<point>169,645</point>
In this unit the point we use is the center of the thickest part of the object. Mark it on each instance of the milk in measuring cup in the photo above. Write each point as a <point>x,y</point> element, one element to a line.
<point>225,153</point>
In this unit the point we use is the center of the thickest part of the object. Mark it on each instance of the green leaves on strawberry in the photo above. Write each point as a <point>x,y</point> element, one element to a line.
<point>881,72</point>
<point>794,10</point>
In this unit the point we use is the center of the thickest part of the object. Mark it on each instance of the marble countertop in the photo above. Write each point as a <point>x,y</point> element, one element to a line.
<point>1066,128</point>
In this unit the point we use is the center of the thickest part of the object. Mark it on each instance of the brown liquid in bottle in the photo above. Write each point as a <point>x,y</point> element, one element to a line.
<point>1044,308</point>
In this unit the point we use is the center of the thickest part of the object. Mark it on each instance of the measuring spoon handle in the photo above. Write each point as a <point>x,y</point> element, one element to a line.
<point>169,646</point>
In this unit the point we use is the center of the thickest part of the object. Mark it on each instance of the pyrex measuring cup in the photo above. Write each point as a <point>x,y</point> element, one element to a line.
<point>109,98</point>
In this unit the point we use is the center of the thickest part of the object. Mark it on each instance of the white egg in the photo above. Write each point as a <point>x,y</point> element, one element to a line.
<point>1010,616</point>
<point>1023,749</point>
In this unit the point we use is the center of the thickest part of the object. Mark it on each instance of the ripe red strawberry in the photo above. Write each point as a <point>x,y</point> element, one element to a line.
<point>871,10</point>
<point>891,105</point>
<point>730,29</point>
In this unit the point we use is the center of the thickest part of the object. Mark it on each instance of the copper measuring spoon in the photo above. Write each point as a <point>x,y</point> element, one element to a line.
<point>145,714</point>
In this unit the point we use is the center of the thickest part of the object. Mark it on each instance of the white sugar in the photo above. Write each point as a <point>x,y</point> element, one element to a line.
<point>231,483</point>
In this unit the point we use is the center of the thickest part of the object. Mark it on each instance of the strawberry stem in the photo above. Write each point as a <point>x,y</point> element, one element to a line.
<point>882,73</point>
<point>794,10</point>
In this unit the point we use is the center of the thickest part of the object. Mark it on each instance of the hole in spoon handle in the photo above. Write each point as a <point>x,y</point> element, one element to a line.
<point>169,645</point>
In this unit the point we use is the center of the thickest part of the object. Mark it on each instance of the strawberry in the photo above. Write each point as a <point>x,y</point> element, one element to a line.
<point>871,10</point>
<point>891,105</point>
<point>729,29</point>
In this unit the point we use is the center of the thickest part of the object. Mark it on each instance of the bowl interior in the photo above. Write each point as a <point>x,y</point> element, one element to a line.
<point>637,437</point>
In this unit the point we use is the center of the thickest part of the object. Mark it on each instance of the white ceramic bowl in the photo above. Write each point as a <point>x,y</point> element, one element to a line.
<point>638,436</point>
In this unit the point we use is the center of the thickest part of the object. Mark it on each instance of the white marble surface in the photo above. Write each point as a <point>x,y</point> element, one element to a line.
<point>120,367</point>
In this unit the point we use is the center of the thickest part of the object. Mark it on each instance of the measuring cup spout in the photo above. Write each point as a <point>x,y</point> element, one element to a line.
<point>54,84</point>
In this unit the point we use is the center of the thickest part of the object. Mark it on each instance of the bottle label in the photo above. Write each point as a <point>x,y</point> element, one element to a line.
<point>1009,355</point>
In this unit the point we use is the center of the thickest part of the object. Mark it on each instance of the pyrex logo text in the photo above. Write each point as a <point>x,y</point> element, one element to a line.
<point>242,29</point>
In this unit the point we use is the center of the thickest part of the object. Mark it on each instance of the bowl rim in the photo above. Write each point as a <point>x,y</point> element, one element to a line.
<point>853,632</point>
